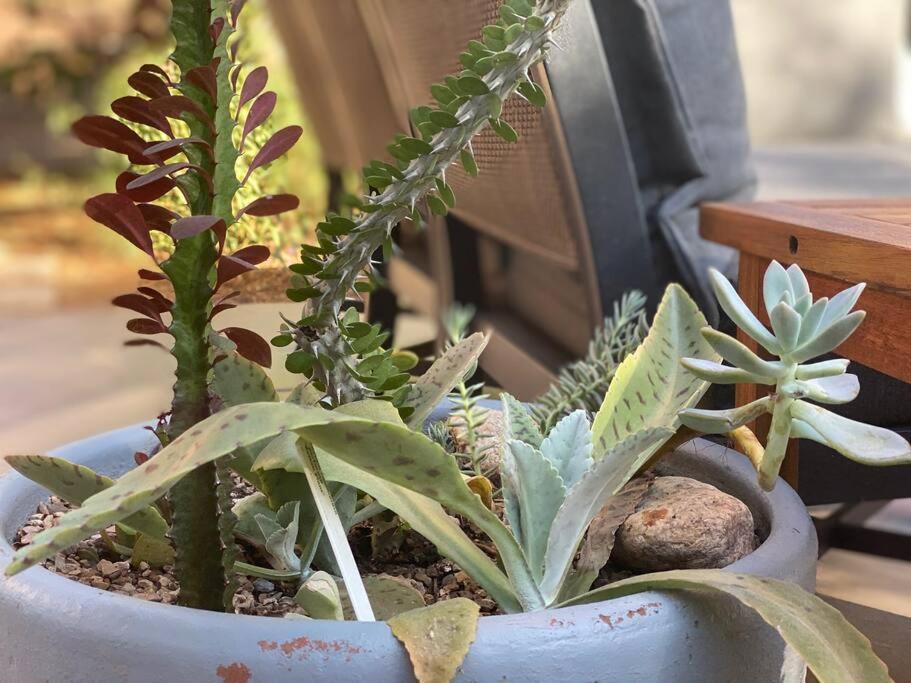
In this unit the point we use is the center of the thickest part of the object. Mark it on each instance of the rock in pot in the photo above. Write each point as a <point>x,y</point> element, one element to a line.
<point>682,523</point>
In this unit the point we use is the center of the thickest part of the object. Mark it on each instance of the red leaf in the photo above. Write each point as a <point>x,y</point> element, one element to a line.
<point>270,205</point>
<point>147,193</point>
<point>254,254</point>
<point>159,173</point>
<point>157,296</point>
<point>108,133</point>
<point>193,225</point>
<point>148,84</point>
<point>235,72</point>
<point>155,69</point>
<point>175,106</point>
<point>147,274</point>
<point>146,326</point>
<point>250,345</point>
<point>138,110</point>
<point>215,29</point>
<point>259,112</point>
<point>140,304</point>
<point>236,7</point>
<point>117,212</point>
<point>277,145</point>
<point>253,85</point>
<point>230,267</point>
<point>157,217</point>
<point>176,143</point>
<point>220,308</point>
<point>203,77</point>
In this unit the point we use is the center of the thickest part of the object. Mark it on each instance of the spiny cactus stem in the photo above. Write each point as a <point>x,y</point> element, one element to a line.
<point>352,257</point>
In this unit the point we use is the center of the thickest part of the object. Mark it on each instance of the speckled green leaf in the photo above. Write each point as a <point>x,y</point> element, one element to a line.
<point>535,484</point>
<point>236,380</point>
<point>834,650</point>
<point>209,440</point>
<point>320,597</point>
<point>389,595</point>
<point>76,483</point>
<point>651,386</point>
<point>586,499</point>
<point>569,447</point>
<point>437,637</point>
<point>518,423</point>
<point>447,371</point>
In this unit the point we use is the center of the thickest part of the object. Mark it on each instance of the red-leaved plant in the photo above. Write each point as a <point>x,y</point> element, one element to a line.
<point>178,134</point>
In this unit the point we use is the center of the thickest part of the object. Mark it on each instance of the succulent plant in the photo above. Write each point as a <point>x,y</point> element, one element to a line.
<point>802,328</point>
<point>583,383</point>
<point>327,344</point>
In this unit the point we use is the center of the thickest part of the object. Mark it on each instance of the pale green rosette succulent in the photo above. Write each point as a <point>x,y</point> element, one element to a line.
<point>801,330</point>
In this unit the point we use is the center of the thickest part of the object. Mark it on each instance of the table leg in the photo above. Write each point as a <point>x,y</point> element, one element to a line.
<point>752,270</point>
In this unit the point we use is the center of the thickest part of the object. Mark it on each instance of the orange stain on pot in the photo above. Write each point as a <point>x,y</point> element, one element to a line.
<point>234,673</point>
<point>305,646</point>
<point>644,610</point>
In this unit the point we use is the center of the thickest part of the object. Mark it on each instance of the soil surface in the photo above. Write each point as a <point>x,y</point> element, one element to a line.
<point>402,553</point>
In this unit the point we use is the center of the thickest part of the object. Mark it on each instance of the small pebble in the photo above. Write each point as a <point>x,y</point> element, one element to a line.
<point>263,586</point>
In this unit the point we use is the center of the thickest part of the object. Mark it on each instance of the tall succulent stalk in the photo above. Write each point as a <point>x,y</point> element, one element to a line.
<point>495,69</point>
<point>191,115</point>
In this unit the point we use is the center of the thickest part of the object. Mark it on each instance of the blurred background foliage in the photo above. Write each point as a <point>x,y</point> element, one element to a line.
<point>60,60</point>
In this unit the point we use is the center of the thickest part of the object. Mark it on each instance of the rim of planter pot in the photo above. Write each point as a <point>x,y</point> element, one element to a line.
<point>48,621</point>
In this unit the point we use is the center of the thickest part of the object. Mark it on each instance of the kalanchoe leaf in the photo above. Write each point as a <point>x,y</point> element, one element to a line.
<point>568,447</point>
<point>259,111</point>
<point>138,110</point>
<point>157,217</point>
<point>146,193</point>
<point>270,205</point>
<point>193,225</point>
<point>250,345</point>
<point>118,213</point>
<point>148,84</point>
<point>253,85</point>
<point>275,147</point>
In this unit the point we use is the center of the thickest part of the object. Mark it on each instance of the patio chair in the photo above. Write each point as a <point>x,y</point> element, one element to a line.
<point>645,119</point>
<point>344,94</point>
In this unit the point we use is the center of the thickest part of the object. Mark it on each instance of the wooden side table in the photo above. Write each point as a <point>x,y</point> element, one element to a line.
<point>837,244</point>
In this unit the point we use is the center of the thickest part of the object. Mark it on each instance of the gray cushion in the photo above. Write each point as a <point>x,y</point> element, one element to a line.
<point>677,76</point>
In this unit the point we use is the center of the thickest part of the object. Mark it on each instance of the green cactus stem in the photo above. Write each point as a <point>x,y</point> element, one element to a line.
<point>496,68</point>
